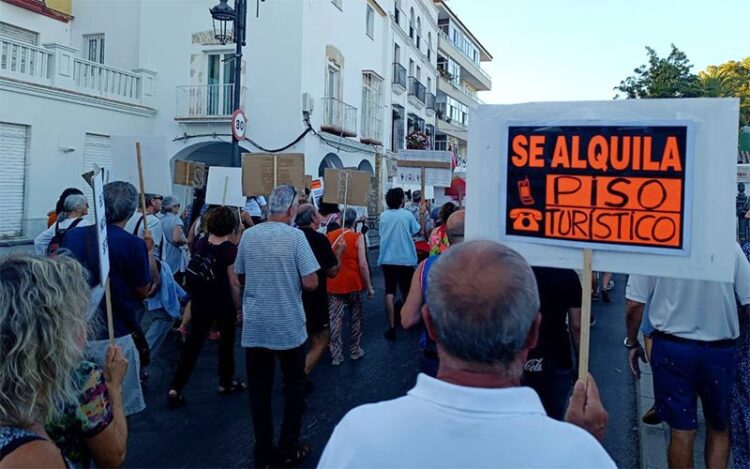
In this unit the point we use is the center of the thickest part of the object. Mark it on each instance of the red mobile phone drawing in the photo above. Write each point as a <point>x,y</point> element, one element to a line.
<point>524,191</point>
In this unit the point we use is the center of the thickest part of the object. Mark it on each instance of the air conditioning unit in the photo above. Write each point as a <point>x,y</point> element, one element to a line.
<point>308,103</point>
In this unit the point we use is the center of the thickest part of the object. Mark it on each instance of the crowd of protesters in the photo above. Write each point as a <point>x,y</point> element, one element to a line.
<point>497,352</point>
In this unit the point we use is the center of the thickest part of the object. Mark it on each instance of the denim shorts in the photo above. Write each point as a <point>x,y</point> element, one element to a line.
<point>684,370</point>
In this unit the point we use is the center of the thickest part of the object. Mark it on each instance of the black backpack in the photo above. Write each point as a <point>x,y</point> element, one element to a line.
<point>201,270</point>
<point>57,240</point>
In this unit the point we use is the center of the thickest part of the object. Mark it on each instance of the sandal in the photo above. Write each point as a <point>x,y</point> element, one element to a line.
<point>302,452</point>
<point>234,387</point>
<point>175,399</point>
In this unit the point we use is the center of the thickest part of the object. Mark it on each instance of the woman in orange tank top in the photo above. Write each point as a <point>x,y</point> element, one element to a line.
<point>346,288</point>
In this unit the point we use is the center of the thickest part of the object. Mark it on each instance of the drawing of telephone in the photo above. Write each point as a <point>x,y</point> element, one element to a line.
<point>525,219</point>
<point>524,192</point>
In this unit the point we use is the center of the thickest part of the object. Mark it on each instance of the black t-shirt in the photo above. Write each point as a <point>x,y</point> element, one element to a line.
<point>317,301</point>
<point>559,290</point>
<point>224,255</point>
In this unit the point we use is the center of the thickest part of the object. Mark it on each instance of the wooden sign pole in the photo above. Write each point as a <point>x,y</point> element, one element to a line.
<point>275,170</point>
<point>110,319</point>
<point>583,348</point>
<point>143,189</point>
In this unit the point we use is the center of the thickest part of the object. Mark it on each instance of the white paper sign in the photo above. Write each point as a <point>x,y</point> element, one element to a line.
<point>714,143</point>
<point>440,177</point>
<point>224,187</point>
<point>100,218</point>
<point>157,176</point>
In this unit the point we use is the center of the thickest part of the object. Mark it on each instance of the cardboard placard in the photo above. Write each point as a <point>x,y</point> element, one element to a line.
<point>438,169</point>
<point>156,172</point>
<point>337,191</point>
<point>261,172</point>
<point>189,173</point>
<point>308,181</point>
<point>224,187</point>
<point>617,187</point>
<point>705,247</point>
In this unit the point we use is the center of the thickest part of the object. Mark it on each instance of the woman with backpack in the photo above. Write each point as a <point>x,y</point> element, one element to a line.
<point>75,208</point>
<point>215,296</point>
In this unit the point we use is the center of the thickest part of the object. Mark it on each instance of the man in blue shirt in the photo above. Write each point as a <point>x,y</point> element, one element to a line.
<point>132,265</point>
<point>398,256</point>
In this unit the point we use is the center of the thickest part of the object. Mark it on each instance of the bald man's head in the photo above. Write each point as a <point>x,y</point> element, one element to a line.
<point>482,302</point>
<point>454,227</point>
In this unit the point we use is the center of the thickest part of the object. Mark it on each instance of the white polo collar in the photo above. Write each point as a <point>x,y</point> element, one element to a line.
<point>515,400</point>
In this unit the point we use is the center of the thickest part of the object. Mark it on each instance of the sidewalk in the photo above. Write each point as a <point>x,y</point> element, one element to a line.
<point>655,439</point>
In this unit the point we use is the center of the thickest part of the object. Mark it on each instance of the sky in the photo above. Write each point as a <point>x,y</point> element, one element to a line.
<point>569,50</point>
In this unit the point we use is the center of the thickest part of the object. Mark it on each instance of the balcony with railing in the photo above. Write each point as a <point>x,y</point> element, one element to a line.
<point>480,78</point>
<point>339,118</point>
<point>399,78</point>
<point>58,66</point>
<point>429,103</point>
<point>417,92</point>
<point>372,124</point>
<point>206,103</point>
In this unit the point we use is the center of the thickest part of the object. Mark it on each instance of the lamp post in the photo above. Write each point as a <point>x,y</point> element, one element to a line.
<point>223,15</point>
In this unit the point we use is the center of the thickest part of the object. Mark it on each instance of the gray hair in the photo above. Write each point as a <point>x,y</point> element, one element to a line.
<point>482,315</point>
<point>120,201</point>
<point>305,215</point>
<point>282,198</point>
<point>168,203</point>
<point>350,217</point>
<point>43,304</point>
<point>73,203</point>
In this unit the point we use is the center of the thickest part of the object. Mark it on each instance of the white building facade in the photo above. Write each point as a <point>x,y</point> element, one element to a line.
<point>74,74</point>
<point>461,77</point>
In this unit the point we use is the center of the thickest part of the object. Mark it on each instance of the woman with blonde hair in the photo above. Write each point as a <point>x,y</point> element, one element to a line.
<point>43,304</point>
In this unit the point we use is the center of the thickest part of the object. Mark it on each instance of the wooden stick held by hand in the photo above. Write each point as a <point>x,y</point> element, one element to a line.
<point>583,349</point>
<point>143,190</point>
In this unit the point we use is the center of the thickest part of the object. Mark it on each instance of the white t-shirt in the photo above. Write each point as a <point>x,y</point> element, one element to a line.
<point>45,237</point>
<point>254,205</point>
<point>438,424</point>
<point>154,226</point>
<point>694,309</point>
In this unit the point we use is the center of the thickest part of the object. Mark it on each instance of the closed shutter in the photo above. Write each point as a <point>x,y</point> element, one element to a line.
<point>13,140</point>
<point>18,34</point>
<point>96,151</point>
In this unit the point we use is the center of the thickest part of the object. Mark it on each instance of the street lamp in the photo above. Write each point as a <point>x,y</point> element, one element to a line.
<point>222,15</point>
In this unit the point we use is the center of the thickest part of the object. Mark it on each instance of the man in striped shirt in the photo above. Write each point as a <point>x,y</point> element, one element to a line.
<point>275,262</point>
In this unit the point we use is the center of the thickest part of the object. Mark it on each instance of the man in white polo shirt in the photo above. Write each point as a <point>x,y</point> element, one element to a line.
<point>693,354</point>
<point>484,321</point>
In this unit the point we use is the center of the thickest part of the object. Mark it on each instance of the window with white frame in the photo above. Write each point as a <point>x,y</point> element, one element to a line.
<point>372,98</point>
<point>370,22</point>
<point>419,32</point>
<point>411,23</point>
<point>429,47</point>
<point>93,47</point>
<point>333,81</point>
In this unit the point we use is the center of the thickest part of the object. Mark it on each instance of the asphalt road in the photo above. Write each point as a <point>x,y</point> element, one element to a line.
<point>216,431</point>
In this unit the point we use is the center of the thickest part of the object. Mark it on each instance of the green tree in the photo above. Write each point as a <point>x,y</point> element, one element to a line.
<point>730,79</point>
<point>662,77</point>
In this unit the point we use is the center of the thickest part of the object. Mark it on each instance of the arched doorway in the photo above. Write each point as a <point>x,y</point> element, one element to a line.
<point>365,165</point>
<point>211,153</point>
<point>331,160</point>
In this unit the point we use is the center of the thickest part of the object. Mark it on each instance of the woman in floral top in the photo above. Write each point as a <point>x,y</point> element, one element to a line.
<point>94,428</point>
<point>439,238</point>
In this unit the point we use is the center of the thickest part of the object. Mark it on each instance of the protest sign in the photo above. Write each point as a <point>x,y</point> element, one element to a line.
<point>97,184</point>
<point>622,187</point>
<point>189,173</point>
<point>616,176</point>
<point>261,172</point>
<point>428,167</point>
<point>346,186</point>
<point>707,177</point>
<point>224,187</point>
<point>316,191</point>
<point>155,164</point>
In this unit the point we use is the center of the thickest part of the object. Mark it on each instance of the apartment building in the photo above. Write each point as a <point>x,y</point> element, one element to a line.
<point>461,77</point>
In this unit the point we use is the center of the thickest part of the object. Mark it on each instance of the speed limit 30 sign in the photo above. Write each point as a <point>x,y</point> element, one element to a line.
<point>239,124</point>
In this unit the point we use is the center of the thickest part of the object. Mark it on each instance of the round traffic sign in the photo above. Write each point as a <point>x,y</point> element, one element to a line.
<point>239,124</point>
